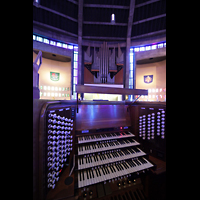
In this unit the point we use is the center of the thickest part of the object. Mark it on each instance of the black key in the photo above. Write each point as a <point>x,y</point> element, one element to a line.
<point>103,170</point>
<point>134,164</point>
<point>100,156</point>
<point>127,165</point>
<point>80,176</point>
<point>138,163</point>
<point>94,158</point>
<point>96,172</point>
<point>131,150</point>
<point>113,169</point>
<point>131,164</point>
<point>92,174</point>
<point>122,166</point>
<point>117,167</point>
<point>142,160</point>
<point>83,176</point>
<point>99,171</point>
<point>106,170</point>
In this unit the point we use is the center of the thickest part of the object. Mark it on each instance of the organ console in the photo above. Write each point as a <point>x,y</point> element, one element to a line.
<point>101,152</point>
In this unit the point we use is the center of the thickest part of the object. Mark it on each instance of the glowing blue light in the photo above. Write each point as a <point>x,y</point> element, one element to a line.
<point>70,46</point>
<point>131,66</point>
<point>131,57</point>
<point>75,70</point>
<point>65,46</point>
<point>136,49</point>
<point>59,44</point>
<point>154,46</point>
<point>34,37</point>
<point>160,45</point>
<point>52,43</point>
<point>148,48</point>
<point>39,39</point>
<point>142,49</point>
<point>75,48</point>
<point>46,41</point>
<point>75,57</point>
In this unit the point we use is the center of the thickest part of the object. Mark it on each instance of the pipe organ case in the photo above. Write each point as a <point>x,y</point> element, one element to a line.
<point>97,153</point>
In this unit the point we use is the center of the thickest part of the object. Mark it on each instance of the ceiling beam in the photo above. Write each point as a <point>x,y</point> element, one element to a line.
<point>149,19</point>
<point>125,24</point>
<point>72,1</point>
<point>130,18</point>
<point>103,38</point>
<point>145,3</point>
<point>57,13</point>
<point>53,28</point>
<point>105,23</point>
<point>149,34</point>
<point>105,6</point>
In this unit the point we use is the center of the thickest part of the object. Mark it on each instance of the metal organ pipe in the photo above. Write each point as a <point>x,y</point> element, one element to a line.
<point>107,56</point>
<point>106,62</point>
<point>103,62</point>
<point>100,64</point>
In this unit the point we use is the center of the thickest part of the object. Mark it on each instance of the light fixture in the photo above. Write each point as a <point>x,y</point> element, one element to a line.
<point>113,18</point>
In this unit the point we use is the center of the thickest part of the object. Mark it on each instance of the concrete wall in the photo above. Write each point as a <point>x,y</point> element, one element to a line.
<point>158,70</point>
<point>64,68</point>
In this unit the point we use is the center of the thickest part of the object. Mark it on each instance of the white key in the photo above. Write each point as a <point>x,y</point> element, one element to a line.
<point>85,176</point>
<point>92,179</point>
<point>79,179</point>
<point>102,175</point>
<point>81,182</point>
<point>112,174</point>
<point>96,177</point>
<point>89,180</point>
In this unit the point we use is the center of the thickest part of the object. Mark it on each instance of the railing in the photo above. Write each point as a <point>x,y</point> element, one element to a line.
<point>108,90</point>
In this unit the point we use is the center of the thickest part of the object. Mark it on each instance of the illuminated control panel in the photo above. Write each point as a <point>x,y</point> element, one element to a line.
<point>59,127</point>
<point>152,131</point>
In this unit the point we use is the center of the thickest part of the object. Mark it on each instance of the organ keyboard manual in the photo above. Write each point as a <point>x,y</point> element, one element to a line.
<point>101,150</point>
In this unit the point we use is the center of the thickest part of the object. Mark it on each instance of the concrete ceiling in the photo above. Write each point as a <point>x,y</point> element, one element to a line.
<point>55,57</point>
<point>149,18</point>
<point>150,60</point>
